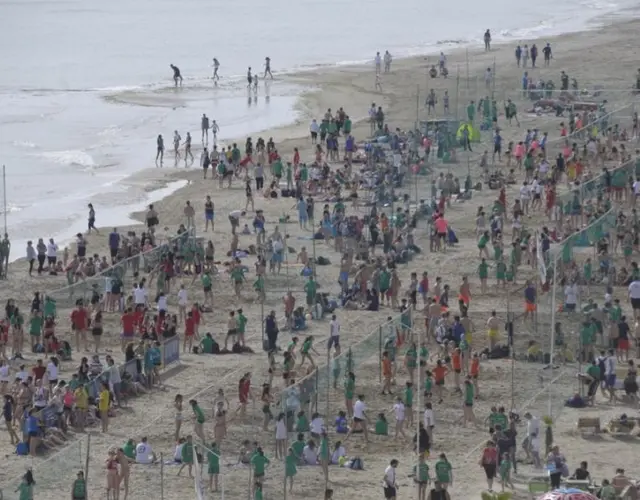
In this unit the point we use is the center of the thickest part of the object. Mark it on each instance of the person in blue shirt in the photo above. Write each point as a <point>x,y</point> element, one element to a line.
<point>457,330</point>
<point>32,426</point>
<point>497,146</point>
<point>342,426</point>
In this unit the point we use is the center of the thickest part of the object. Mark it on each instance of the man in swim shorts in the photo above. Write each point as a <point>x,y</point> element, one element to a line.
<point>176,74</point>
<point>493,327</point>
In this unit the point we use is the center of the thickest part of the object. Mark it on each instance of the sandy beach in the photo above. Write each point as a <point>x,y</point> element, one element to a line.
<point>599,59</point>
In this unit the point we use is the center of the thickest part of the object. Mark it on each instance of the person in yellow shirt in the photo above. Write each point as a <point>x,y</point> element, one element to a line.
<point>103,406</point>
<point>81,399</point>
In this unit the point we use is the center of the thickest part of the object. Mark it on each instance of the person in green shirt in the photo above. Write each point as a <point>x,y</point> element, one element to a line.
<point>298,447</point>
<point>616,312</point>
<point>199,416</point>
<point>259,463</point>
<point>594,377</point>
<point>346,126</point>
<point>237,276</point>
<point>501,273</point>
<point>310,289</point>
<point>129,449</point>
<point>26,486</point>
<point>302,422</point>
<point>206,345</point>
<point>79,487</point>
<point>290,469</point>
<point>587,336</point>
<point>305,351</point>
<point>408,402</point>
<point>35,329</point>
<point>483,273</point>
<point>289,174</point>
<point>469,395</point>
<point>444,471</point>
<point>471,111</point>
<point>304,173</point>
<point>505,471</point>
<point>186,455</point>
<point>213,459</point>
<point>207,287</point>
<point>428,385</point>
<point>382,426</point>
<point>276,169</point>
<point>241,321</point>
<point>421,476</point>
<point>411,360</point>
<point>258,286</point>
<point>323,454</point>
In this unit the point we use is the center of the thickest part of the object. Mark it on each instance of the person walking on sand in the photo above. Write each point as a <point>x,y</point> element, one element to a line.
<point>92,220</point>
<point>267,67</point>
<point>378,61</point>
<point>187,149</point>
<point>176,145</point>
<point>204,127</point>
<point>205,162</point>
<point>160,149</point>
<point>176,74</point>
<point>249,78</point>
<point>214,130</point>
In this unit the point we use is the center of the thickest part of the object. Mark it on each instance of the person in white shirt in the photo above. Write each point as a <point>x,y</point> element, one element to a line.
<point>52,253</point>
<point>334,334</point>
<point>316,426</point>
<point>634,296</point>
<point>533,429</point>
<point>338,452</point>
<point>488,78</point>
<point>390,487</point>
<point>525,196</point>
<point>23,375</point>
<point>234,219</point>
<point>162,303</point>
<point>115,380</point>
<point>429,421</point>
<point>140,295</point>
<point>182,304</point>
<point>52,371</point>
<point>144,453</point>
<point>359,418</point>
<point>310,454</point>
<point>571,297</point>
<point>399,411</point>
<point>177,454</point>
<point>610,374</point>
<point>372,118</point>
<point>314,129</point>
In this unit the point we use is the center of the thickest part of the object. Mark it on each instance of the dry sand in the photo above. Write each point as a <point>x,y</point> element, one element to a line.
<point>602,57</point>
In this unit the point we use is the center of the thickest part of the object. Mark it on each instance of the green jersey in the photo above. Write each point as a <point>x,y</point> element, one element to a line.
<point>259,463</point>
<point>443,471</point>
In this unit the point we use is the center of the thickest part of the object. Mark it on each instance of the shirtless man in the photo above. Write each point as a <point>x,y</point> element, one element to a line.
<point>176,74</point>
<point>176,145</point>
<point>125,471</point>
<point>303,257</point>
<point>187,148</point>
<point>216,66</point>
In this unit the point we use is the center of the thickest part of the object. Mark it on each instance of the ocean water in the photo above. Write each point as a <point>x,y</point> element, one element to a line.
<point>86,87</point>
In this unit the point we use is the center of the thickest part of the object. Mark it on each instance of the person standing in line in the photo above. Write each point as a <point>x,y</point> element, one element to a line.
<point>267,67</point>
<point>160,149</point>
<point>216,67</point>
<point>92,220</point>
<point>187,149</point>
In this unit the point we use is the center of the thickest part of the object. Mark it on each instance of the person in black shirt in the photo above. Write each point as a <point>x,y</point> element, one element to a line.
<point>581,473</point>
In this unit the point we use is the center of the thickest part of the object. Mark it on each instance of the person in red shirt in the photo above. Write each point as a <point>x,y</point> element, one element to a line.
<point>489,462</point>
<point>244,393</point>
<point>79,324</point>
<point>439,373</point>
<point>197,318</point>
<point>296,157</point>
<point>189,332</point>
<point>128,322</point>
<point>38,371</point>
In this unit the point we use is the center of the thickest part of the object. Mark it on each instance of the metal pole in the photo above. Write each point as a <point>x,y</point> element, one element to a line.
<point>161,476</point>
<point>4,195</point>
<point>86,462</point>
<point>553,330</point>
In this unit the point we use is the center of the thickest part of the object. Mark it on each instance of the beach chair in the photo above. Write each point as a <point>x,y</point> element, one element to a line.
<point>537,486</point>
<point>592,423</point>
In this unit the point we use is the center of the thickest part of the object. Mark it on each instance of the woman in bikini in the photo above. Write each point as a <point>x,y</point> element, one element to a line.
<point>113,491</point>
<point>177,404</point>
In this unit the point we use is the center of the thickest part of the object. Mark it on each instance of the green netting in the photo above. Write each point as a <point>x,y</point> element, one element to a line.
<point>185,245</point>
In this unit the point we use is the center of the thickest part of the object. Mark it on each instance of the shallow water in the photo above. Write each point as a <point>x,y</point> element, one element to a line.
<point>86,87</point>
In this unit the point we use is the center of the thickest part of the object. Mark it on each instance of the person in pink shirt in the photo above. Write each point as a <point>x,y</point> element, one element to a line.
<point>441,230</point>
<point>519,154</point>
<point>534,145</point>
